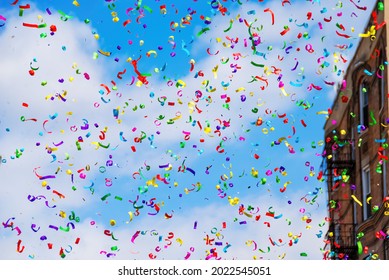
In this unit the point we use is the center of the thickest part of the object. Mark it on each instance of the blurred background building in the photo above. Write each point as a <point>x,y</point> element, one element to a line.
<point>355,157</point>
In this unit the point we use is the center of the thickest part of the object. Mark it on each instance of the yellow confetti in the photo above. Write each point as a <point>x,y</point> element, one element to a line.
<point>214,71</point>
<point>152,183</point>
<point>180,84</point>
<point>131,215</point>
<point>254,172</point>
<point>371,33</point>
<point>169,167</point>
<point>179,240</point>
<point>284,92</point>
<point>151,52</point>
<point>233,201</point>
<point>356,200</point>
<point>103,52</point>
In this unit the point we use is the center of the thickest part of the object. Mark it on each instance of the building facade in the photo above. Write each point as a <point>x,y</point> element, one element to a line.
<point>355,159</point>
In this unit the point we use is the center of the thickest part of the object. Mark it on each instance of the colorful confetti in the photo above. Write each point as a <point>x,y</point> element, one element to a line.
<point>174,129</point>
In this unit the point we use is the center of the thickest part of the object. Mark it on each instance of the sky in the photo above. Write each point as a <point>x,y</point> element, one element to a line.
<point>164,130</point>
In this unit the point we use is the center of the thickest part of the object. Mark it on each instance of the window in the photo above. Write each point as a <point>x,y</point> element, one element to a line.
<point>366,190</point>
<point>382,85</point>
<point>364,104</point>
<point>382,93</point>
<point>352,142</point>
<point>338,235</point>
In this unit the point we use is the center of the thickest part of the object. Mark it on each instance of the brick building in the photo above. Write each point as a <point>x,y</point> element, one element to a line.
<point>355,155</point>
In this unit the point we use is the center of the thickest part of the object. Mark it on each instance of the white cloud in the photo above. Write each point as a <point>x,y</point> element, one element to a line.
<point>188,237</point>
<point>24,45</point>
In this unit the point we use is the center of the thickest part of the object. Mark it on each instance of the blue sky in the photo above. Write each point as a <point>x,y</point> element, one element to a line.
<point>261,152</point>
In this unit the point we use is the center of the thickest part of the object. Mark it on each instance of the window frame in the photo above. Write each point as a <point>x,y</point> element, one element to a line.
<point>366,192</point>
<point>382,87</point>
<point>363,96</point>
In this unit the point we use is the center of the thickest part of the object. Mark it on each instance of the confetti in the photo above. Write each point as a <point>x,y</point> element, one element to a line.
<point>177,126</point>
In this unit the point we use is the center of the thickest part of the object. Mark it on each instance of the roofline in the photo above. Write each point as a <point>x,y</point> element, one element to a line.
<point>352,64</point>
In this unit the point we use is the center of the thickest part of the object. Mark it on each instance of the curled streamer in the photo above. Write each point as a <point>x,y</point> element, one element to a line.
<point>272,15</point>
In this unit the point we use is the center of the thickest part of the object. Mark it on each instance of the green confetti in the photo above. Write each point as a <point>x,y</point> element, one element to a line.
<point>106,196</point>
<point>203,31</point>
